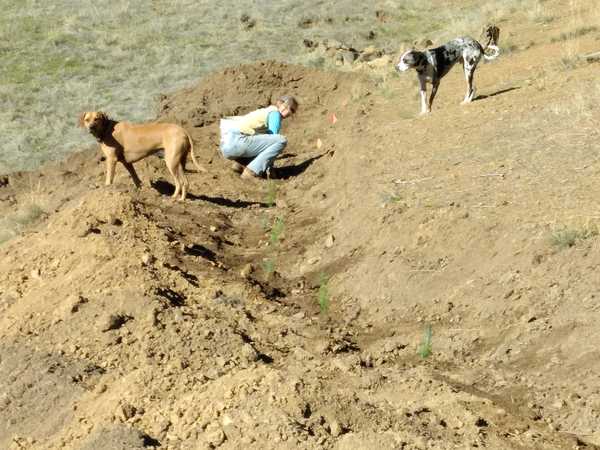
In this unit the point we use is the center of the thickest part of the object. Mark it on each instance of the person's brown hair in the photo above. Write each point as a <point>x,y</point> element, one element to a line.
<point>289,101</point>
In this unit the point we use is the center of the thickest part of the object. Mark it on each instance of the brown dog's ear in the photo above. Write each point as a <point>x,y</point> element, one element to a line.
<point>80,121</point>
<point>102,116</point>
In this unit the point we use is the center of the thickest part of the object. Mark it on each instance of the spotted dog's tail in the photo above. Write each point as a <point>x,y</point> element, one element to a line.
<point>494,55</point>
<point>492,34</point>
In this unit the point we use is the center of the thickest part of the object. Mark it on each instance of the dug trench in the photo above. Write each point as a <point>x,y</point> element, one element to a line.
<point>288,313</point>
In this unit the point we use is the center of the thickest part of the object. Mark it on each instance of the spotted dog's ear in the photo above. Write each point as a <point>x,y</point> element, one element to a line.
<point>413,58</point>
<point>422,43</point>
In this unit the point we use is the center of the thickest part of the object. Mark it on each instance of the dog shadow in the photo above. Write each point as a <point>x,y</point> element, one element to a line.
<point>166,188</point>
<point>201,251</point>
<point>222,201</point>
<point>290,171</point>
<point>502,91</point>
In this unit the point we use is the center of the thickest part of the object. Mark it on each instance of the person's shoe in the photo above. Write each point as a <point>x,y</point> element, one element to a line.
<point>271,173</point>
<point>237,167</point>
<point>247,174</point>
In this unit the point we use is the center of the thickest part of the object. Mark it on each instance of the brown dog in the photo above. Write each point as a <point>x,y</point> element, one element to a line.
<point>129,142</point>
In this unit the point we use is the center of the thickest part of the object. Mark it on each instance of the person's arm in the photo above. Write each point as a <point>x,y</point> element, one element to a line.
<point>274,122</point>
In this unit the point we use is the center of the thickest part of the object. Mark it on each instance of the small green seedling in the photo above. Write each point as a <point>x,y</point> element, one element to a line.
<point>425,348</point>
<point>271,193</point>
<point>269,266</point>
<point>264,223</point>
<point>276,230</point>
<point>323,295</point>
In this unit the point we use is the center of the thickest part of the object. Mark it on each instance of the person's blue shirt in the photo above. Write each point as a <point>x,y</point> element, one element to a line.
<point>274,122</point>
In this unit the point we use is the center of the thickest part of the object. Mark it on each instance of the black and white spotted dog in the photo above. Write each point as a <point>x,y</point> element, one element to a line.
<point>432,64</point>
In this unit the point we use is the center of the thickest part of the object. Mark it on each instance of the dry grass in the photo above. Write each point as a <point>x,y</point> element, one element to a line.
<point>12,224</point>
<point>66,56</point>
<point>32,206</point>
<point>565,237</point>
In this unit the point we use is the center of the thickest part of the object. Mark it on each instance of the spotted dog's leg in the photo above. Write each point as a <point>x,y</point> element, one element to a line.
<point>435,85</point>
<point>423,91</point>
<point>469,67</point>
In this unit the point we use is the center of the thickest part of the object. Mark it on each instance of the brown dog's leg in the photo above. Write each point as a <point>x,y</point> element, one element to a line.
<point>110,169</point>
<point>184,181</point>
<point>172,166</point>
<point>134,175</point>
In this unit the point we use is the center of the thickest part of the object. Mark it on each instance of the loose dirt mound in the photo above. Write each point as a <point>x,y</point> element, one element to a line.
<point>287,314</point>
<point>241,89</point>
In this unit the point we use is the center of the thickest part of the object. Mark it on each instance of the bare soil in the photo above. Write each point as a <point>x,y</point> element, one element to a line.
<point>288,313</point>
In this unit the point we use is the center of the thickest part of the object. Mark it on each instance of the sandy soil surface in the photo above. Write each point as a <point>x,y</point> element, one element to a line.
<point>290,313</point>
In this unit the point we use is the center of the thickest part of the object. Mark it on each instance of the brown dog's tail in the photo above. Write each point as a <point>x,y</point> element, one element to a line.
<point>198,166</point>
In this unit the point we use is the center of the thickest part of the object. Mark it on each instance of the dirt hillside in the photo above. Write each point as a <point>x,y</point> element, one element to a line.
<point>296,312</point>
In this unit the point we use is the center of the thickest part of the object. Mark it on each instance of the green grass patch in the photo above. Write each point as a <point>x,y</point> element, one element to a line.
<point>276,231</point>
<point>569,237</point>
<point>391,198</point>
<point>323,293</point>
<point>269,266</point>
<point>13,224</point>
<point>425,348</point>
<point>271,195</point>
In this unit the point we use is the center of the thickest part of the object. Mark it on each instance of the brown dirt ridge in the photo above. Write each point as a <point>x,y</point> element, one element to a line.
<point>288,313</point>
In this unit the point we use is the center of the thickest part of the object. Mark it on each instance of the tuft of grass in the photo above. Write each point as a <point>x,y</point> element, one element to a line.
<point>391,198</point>
<point>537,13</point>
<point>271,194</point>
<point>11,225</point>
<point>269,266</point>
<point>568,63</point>
<point>579,32</point>
<point>274,236</point>
<point>323,294</point>
<point>28,214</point>
<point>568,237</point>
<point>425,347</point>
<point>264,223</point>
<point>6,235</point>
<point>276,231</point>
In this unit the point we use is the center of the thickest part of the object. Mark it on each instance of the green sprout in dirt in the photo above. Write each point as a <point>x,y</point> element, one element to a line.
<point>264,223</point>
<point>271,195</point>
<point>425,347</point>
<point>276,230</point>
<point>323,296</point>
<point>269,266</point>
<point>391,198</point>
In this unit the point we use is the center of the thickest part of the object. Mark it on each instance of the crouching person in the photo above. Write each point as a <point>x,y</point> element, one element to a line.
<point>255,137</point>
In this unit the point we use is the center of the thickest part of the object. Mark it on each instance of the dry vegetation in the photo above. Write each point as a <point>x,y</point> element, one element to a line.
<point>66,56</point>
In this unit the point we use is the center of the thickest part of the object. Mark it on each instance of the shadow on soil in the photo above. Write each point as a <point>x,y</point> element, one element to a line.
<point>166,188</point>
<point>500,92</point>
